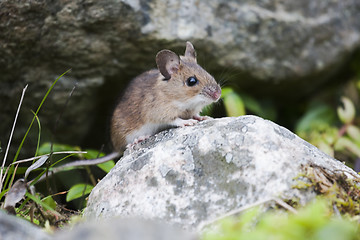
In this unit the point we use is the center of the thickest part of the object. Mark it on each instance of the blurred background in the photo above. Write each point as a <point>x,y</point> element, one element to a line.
<point>296,63</point>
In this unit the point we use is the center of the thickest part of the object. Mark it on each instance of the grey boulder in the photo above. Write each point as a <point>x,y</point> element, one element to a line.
<point>13,228</point>
<point>191,176</point>
<point>124,229</point>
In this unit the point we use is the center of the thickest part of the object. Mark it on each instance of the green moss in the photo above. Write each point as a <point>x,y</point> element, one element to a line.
<point>315,222</point>
<point>343,192</point>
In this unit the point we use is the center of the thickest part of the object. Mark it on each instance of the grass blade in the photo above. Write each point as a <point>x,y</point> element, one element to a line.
<point>10,138</point>
<point>39,134</point>
<point>42,204</point>
<point>32,122</point>
<point>37,112</point>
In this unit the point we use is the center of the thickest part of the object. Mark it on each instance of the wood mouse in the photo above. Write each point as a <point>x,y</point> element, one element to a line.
<point>170,96</point>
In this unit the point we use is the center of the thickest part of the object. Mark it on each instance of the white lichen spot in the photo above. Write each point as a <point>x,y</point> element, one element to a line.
<point>148,28</point>
<point>189,167</point>
<point>185,29</point>
<point>228,157</point>
<point>163,169</point>
<point>244,129</point>
<point>135,4</point>
<point>319,65</point>
<point>205,145</point>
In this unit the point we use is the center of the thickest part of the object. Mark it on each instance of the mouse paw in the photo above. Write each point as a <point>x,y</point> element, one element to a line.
<point>140,139</point>
<point>182,123</point>
<point>201,118</point>
<point>137,140</point>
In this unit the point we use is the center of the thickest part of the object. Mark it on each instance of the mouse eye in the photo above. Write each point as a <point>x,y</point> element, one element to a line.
<point>192,81</point>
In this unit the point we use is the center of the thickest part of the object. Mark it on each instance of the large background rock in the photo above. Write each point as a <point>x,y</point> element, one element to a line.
<point>284,45</point>
<point>193,175</point>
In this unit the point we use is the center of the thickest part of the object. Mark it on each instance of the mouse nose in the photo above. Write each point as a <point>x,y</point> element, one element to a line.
<point>213,92</point>
<point>217,93</point>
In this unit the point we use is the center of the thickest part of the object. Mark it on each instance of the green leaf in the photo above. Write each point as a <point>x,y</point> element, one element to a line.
<point>353,132</point>
<point>319,116</point>
<point>45,148</point>
<point>233,103</point>
<point>345,143</point>
<point>19,170</point>
<point>346,112</point>
<point>78,191</point>
<point>264,110</point>
<point>52,165</point>
<point>91,154</point>
<point>106,166</point>
<point>326,148</point>
<point>41,203</point>
<point>50,202</point>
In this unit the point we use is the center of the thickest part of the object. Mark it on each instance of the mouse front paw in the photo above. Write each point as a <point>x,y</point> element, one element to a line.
<point>137,140</point>
<point>201,118</point>
<point>182,123</point>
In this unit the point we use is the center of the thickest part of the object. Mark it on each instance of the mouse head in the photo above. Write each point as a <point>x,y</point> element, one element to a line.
<point>189,81</point>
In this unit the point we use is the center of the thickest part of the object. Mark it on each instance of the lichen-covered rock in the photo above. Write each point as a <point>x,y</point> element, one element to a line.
<point>268,45</point>
<point>192,175</point>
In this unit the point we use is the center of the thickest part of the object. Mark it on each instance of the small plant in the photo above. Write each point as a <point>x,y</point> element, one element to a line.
<point>44,163</point>
<point>237,104</point>
<point>334,132</point>
<point>316,221</point>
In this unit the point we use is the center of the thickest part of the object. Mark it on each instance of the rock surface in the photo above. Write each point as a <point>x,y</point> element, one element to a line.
<point>13,228</point>
<point>190,176</point>
<point>124,229</point>
<point>284,45</point>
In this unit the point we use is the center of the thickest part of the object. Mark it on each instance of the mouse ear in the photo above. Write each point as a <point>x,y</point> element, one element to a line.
<point>167,62</point>
<point>190,51</point>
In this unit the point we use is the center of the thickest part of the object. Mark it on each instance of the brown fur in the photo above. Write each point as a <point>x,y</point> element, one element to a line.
<point>151,99</point>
